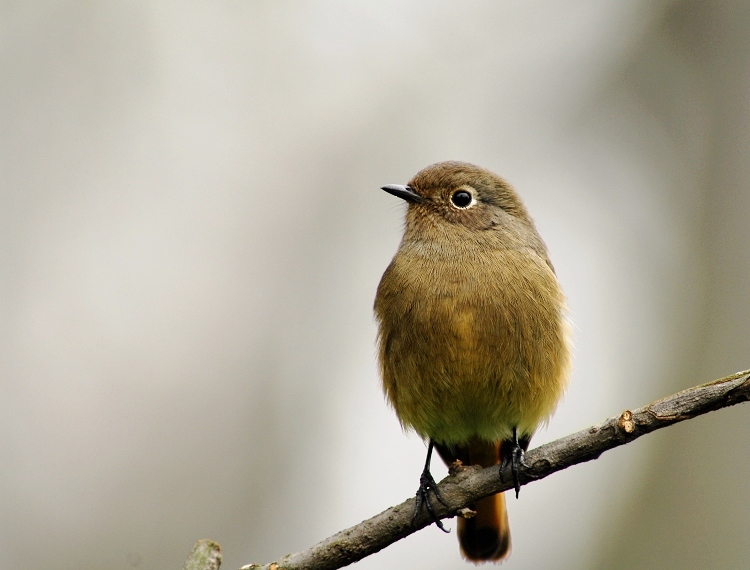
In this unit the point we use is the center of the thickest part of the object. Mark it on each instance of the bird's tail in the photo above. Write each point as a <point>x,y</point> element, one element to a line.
<point>486,536</point>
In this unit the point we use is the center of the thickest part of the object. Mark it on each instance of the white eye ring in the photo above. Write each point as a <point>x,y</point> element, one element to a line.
<point>463,199</point>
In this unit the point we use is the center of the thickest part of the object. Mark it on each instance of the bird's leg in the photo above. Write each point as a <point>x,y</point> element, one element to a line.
<point>512,452</point>
<point>427,483</point>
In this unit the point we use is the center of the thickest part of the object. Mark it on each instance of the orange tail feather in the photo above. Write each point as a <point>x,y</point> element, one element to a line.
<point>486,536</point>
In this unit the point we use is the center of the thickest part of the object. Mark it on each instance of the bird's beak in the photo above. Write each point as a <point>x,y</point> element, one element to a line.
<point>403,192</point>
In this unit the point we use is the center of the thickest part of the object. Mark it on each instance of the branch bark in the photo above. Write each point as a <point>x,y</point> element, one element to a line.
<point>466,485</point>
<point>206,555</point>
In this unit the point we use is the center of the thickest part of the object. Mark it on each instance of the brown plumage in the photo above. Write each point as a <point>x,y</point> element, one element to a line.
<point>473,339</point>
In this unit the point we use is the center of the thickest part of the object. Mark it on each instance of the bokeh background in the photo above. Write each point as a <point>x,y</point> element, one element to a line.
<point>191,234</point>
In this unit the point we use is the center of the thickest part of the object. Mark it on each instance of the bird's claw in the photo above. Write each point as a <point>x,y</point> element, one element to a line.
<point>515,458</point>
<point>427,484</point>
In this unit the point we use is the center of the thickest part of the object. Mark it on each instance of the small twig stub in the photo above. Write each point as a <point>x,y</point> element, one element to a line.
<point>626,422</point>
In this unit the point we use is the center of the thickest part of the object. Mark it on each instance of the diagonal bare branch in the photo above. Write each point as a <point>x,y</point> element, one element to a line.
<point>466,485</point>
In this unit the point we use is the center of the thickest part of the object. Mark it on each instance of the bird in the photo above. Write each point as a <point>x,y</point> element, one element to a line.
<point>473,335</point>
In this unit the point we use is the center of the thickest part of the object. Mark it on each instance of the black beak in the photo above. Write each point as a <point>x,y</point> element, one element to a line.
<point>403,192</point>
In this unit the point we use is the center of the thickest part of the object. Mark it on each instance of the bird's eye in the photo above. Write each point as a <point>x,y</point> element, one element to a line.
<point>462,199</point>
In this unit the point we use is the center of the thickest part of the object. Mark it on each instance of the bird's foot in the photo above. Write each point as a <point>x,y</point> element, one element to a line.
<point>427,484</point>
<point>512,452</point>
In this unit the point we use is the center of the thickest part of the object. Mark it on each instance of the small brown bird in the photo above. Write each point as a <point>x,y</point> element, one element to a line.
<point>473,337</point>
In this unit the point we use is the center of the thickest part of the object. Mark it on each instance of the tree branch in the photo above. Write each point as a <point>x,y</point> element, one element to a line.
<point>206,555</point>
<point>465,485</point>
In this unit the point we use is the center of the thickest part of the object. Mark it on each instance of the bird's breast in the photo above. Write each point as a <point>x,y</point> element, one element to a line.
<point>471,347</point>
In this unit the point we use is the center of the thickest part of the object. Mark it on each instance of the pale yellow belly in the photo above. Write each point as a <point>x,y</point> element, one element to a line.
<point>460,365</point>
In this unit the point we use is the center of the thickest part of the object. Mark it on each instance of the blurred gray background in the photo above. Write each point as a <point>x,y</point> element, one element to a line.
<point>191,234</point>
